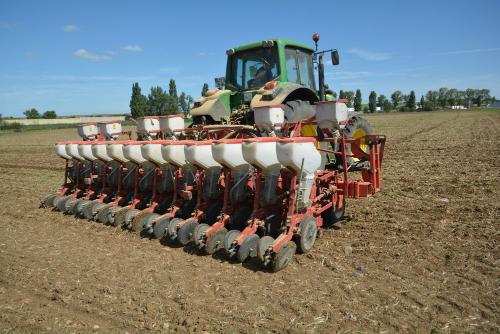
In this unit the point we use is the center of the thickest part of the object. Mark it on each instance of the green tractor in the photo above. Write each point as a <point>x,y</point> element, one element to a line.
<point>268,73</point>
<point>264,73</point>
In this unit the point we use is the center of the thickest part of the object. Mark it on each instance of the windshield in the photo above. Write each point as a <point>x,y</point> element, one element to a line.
<point>299,67</point>
<point>253,68</point>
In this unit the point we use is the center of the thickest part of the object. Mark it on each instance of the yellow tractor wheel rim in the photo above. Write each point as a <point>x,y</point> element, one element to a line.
<point>310,131</point>
<point>358,134</point>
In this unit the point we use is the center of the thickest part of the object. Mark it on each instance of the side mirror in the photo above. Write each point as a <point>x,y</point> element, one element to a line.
<point>335,57</point>
<point>220,82</point>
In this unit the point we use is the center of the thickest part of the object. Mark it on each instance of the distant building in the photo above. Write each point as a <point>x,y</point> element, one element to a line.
<point>458,107</point>
<point>495,104</point>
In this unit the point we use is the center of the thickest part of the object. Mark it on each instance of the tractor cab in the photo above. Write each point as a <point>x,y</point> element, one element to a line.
<point>258,74</point>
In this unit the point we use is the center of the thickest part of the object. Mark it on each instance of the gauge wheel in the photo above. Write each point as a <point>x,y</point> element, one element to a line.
<point>78,206</point>
<point>264,252</point>
<point>69,205</point>
<point>172,228</point>
<point>229,246</point>
<point>248,248</point>
<point>134,223</point>
<point>308,234</point>
<point>215,241</point>
<point>186,231</point>
<point>60,202</point>
<point>148,223</point>
<point>199,236</point>
<point>160,227</point>
<point>283,257</point>
<point>47,200</point>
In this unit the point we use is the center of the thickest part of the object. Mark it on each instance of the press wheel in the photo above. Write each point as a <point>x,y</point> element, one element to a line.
<point>248,248</point>
<point>283,257</point>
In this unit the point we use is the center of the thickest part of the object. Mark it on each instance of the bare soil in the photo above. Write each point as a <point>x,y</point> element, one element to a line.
<point>421,256</point>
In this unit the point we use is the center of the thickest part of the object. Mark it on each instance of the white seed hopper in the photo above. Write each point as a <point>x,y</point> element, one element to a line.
<point>267,116</point>
<point>88,130</point>
<point>60,149</point>
<point>115,151</point>
<point>85,150</point>
<point>199,153</point>
<point>261,153</point>
<point>170,123</point>
<point>132,151</point>
<point>148,125</point>
<point>100,151</point>
<point>229,152</point>
<point>173,152</point>
<point>110,129</point>
<point>72,150</point>
<point>329,114</point>
<point>300,155</point>
<point>152,152</point>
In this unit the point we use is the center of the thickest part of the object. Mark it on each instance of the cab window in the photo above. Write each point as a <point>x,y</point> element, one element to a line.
<point>299,66</point>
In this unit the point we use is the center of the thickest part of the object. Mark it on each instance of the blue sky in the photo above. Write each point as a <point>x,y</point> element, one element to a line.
<point>81,57</point>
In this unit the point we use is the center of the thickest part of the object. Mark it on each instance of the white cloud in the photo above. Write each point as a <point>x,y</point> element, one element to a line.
<point>459,52</point>
<point>370,55</point>
<point>82,53</point>
<point>70,28</point>
<point>132,48</point>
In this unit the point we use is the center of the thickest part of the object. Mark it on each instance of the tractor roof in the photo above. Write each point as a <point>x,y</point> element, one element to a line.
<point>277,41</point>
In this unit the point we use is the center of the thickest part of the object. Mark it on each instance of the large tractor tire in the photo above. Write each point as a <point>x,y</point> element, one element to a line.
<point>358,128</point>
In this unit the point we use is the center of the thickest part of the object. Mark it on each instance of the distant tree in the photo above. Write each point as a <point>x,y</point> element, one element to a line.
<point>341,94</point>
<point>372,102</point>
<point>161,103</point>
<point>482,96</point>
<point>190,101</point>
<point>432,99</point>
<point>183,103</point>
<point>365,108</point>
<point>443,97</point>
<point>349,95</point>
<point>387,106</point>
<point>493,100</point>
<point>51,114</point>
<point>204,90</point>
<point>172,88</point>
<point>469,96</point>
<point>358,100</point>
<point>412,101</point>
<point>381,100</point>
<point>138,102</point>
<point>453,97</point>
<point>422,103</point>
<point>31,113</point>
<point>396,99</point>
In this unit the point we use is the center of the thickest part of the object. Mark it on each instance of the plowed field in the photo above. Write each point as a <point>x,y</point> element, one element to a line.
<point>422,255</point>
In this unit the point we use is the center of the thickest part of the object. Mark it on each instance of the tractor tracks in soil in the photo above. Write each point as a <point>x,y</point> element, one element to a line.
<point>31,167</point>
<point>410,136</point>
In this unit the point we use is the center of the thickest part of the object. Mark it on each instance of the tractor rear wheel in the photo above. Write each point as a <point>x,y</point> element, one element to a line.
<point>357,128</point>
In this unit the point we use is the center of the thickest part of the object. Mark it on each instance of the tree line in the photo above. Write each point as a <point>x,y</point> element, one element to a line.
<point>434,99</point>
<point>34,113</point>
<point>160,102</point>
